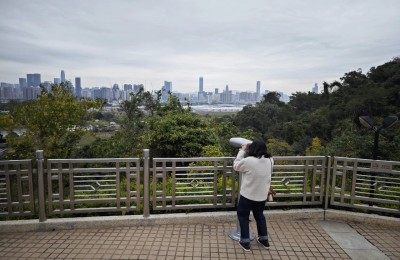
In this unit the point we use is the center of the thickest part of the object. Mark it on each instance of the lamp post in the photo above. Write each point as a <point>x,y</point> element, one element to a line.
<point>368,122</point>
<point>3,146</point>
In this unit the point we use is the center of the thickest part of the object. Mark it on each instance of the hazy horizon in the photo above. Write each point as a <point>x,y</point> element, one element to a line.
<point>288,45</point>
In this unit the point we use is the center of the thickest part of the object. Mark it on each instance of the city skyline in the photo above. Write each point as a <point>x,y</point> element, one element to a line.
<point>288,45</point>
<point>29,88</point>
<point>34,79</point>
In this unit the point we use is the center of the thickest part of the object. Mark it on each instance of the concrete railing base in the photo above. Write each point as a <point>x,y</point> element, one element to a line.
<point>190,218</point>
<point>354,217</point>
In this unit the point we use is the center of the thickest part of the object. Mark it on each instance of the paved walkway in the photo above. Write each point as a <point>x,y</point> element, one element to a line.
<point>289,239</point>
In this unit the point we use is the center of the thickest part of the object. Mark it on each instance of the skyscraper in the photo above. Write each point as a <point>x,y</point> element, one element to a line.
<point>315,88</point>
<point>166,89</point>
<point>33,80</point>
<point>201,85</point>
<point>37,80</point>
<point>201,96</point>
<point>22,82</point>
<point>29,80</point>
<point>127,87</point>
<point>78,87</point>
<point>47,85</point>
<point>57,81</point>
<point>258,90</point>
<point>226,96</point>
<point>62,76</point>
<point>137,87</point>
<point>115,92</point>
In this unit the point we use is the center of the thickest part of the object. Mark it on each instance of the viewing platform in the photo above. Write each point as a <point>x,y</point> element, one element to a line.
<point>184,208</point>
<point>293,234</point>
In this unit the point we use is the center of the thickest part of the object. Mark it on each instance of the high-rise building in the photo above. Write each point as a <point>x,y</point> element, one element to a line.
<point>247,97</point>
<point>103,93</point>
<point>315,88</point>
<point>47,85</point>
<point>29,80</point>
<point>201,85</point>
<point>258,90</point>
<point>87,93</point>
<point>78,87</point>
<point>62,76</point>
<point>166,89</point>
<point>22,82</point>
<point>57,81</point>
<point>70,86</point>
<point>96,93</point>
<point>30,93</point>
<point>137,87</point>
<point>106,93</point>
<point>6,90</point>
<point>226,96</point>
<point>33,80</point>
<point>201,95</point>
<point>127,87</point>
<point>37,79</point>
<point>168,86</point>
<point>115,92</point>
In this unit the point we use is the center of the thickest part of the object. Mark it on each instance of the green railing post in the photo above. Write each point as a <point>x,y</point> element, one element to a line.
<point>42,205</point>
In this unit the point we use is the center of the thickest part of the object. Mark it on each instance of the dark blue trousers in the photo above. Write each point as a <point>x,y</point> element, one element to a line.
<point>243,212</point>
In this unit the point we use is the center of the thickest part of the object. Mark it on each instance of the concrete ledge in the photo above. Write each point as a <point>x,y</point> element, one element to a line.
<point>190,218</point>
<point>354,217</point>
<point>155,219</point>
<point>295,214</point>
<point>114,221</point>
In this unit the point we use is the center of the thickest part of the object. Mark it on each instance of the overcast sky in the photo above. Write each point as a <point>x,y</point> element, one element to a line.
<point>288,45</point>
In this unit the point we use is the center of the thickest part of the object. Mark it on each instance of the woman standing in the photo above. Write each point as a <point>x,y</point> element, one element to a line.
<point>255,164</point>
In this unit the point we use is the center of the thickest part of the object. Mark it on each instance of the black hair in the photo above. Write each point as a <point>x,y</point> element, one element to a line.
<point>258,149</point>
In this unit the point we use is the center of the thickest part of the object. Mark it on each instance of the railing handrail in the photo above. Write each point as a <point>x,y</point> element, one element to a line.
<point>186,183</point>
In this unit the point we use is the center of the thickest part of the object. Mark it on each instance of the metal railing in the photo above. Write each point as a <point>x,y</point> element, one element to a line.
<point>93,185</point>
<point>366,184</point>
<point>16,188</point>
<point>189,183</point>
<point>298,180</point>
<point>72,186</point>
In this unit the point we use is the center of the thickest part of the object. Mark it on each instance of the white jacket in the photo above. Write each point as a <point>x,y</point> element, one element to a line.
<point>256,175</point>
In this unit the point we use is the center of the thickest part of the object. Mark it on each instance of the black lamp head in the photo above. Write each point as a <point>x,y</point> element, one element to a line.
<point>389,121</point>
<point>367,121</point>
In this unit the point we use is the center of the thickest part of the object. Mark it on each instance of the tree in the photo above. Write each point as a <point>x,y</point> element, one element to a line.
<point>272,98</point>
<point>278,147</point>
<point>310,101</point>
<point>265,118</point>
<point>128,142</point>
<point>178,135</point>
<point>54,122</point>
<point>349,144</point>
<point>316,149</point>
<point>211,151</point>
<point>225,130</point>
<point>6,122</point>
<point>176,132</point>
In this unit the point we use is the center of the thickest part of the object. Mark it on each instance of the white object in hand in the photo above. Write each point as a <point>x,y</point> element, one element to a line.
<point>238,141</point>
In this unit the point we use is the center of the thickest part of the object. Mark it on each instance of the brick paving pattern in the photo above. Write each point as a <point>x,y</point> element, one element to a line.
<point>302,239</point>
